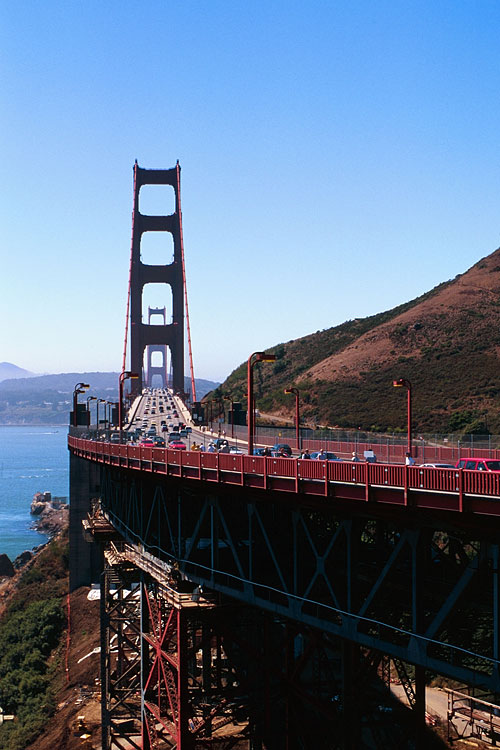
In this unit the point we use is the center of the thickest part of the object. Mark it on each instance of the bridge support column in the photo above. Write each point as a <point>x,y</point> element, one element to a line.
<point>85,562</point>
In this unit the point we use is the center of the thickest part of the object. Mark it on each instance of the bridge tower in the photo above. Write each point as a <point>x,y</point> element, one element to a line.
<point>143,335</point>
<point>160,370</point>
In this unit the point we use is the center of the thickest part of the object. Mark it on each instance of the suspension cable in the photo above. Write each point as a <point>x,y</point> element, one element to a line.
<point>193,387</point>
<point>124,360</point>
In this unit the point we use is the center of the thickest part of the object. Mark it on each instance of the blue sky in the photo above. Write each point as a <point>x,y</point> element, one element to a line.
<point>337,159</point>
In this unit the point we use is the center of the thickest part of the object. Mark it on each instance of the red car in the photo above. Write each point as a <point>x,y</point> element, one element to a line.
<point>478,464</point>
<point>147,443</point>
<point>177,445</point>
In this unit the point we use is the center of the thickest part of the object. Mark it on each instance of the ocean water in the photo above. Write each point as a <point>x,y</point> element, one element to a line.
<point>32,459</point>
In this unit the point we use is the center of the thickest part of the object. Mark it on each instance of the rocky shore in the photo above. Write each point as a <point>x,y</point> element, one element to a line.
<point>51,517</point>
<point>52,514</point>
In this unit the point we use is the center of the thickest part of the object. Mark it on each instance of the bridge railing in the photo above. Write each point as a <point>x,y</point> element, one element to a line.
<point>446,488</point>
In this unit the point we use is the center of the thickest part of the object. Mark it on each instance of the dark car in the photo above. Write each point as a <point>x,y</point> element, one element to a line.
<point>221,443</point>
<point>281,449</point>
<point>327,456</point>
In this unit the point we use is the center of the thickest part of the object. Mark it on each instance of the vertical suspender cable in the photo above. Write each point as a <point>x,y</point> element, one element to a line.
<point>193,387</point>
<point>124,367</point>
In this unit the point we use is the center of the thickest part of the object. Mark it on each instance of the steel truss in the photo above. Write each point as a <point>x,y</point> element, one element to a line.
<point>186,671</point>
<point>412,586</point>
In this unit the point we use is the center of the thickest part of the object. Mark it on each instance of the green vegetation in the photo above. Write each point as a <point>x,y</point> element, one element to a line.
<point>30,630</point>
<point>449,353</point>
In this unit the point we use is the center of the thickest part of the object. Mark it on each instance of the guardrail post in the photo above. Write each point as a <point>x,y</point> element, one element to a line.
<point>460,490</point>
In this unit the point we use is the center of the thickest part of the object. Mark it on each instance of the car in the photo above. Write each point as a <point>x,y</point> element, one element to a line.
<point>437,466</point>
<point>258,451</point>
<point>281,449</point>
<point>183,433</point>
<point>478,464</point>
<point>221,443</point>
<point>189,429</point>
<point>173,436</point>
<point>115,438</point>
<point>146,443</point>
<point>178,445</point>
<point>329,456</point>
<point>235,449</point>
<point>159,441</point>
<point>164,428</point>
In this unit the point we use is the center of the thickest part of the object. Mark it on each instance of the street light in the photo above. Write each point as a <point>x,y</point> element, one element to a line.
<point>226,398</point>
<point>295,392</point>
<point>252,360</point>
<point>100,401</point>
<point>403,383</point>
<point>79,388</point>
<point>126,375</point>
<point>90,398</point>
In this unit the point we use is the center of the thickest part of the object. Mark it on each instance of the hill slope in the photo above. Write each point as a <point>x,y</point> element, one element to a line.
<point>48,399</point>
<point>8,370</point>
<point>446,342</point>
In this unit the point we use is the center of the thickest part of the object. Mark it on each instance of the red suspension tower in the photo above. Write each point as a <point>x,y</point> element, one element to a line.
<point>143,335</point>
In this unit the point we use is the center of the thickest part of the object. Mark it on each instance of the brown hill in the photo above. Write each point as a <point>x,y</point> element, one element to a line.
<point>446,342</point>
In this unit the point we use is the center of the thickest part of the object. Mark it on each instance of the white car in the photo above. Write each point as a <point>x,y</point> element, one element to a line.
<point>438,466</point>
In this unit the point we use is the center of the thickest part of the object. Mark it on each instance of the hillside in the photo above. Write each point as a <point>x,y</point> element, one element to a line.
<point>10,371</point>
<point>446,342</point>
<point>47,399</point>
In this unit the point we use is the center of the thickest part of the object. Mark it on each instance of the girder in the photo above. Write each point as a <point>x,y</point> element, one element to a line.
<point>396,587</point>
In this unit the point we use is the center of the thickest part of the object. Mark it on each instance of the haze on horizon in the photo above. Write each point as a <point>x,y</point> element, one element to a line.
<point>337,160</point>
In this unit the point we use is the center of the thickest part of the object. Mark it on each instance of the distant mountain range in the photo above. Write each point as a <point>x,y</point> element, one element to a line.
<point>445,342</point>
<point>47,399</point>
<point>8,371</point>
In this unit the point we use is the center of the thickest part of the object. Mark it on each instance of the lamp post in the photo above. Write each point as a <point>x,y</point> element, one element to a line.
<point>100,401</point>
<point>403,383</point>
<point>79,388</point>
<point>295,392</point>
<point>126,375</point>
<point>90,398</point>
<point>252,360</point>
<point>226,398</point>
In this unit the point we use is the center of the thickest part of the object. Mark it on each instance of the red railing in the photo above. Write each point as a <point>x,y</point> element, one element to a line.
<point>445,489</point>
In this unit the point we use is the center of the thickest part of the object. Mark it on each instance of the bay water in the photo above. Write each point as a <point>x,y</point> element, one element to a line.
<point>32,459</point>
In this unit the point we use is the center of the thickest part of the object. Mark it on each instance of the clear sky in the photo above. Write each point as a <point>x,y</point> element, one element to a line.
<point>338,158</point>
